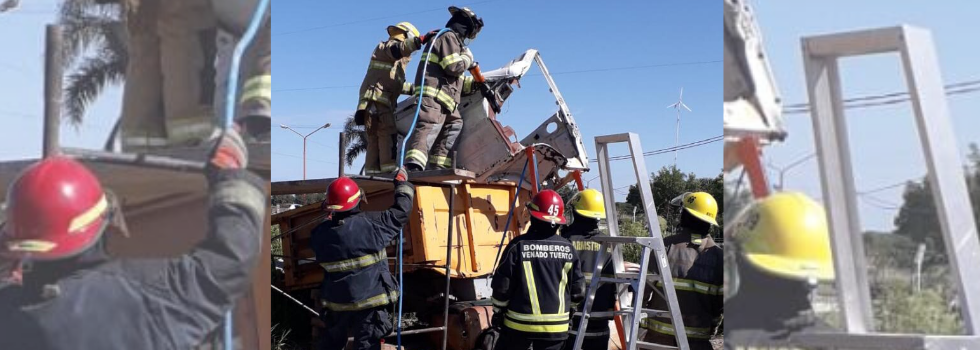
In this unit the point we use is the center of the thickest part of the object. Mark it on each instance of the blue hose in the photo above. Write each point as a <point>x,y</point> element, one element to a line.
<point>231,92</point>
<point>236,60</point>
<point>401,163</point>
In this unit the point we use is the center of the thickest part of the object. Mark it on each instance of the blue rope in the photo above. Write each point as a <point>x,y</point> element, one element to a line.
<point>517,198</point>
<point>231,92</point>
<point>401,163</point>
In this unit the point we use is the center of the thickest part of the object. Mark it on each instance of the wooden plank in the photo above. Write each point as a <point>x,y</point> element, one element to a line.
<point>469,228</point>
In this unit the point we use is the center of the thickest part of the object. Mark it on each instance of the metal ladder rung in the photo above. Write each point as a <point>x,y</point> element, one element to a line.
<point>655,346</point>
<point>626,311</point>
<point>632,275</point>
<point>616,280</point>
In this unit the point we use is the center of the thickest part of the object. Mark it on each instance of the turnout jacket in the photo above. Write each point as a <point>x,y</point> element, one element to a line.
<point>351,250</point>
<point>152,303</point>
<point>536,284</point>
<point>385,78</point>
<point>443,77</point>
<point>697,266</point>
<point>580,233</point>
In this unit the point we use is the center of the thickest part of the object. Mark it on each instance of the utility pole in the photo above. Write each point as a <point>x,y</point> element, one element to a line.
<point>327,125</point>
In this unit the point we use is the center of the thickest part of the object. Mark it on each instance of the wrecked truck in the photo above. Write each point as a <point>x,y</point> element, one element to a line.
<point>460,219</point>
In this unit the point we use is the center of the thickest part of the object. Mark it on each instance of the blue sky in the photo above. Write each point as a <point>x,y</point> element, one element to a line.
<point>22,87</point>
<point>884,139</point>
<point>321,44</point>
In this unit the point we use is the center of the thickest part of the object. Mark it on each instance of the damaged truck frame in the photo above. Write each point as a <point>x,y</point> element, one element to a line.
<point>461,216</point>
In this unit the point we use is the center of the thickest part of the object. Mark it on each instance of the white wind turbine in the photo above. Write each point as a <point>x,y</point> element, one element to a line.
<point>677,132</point>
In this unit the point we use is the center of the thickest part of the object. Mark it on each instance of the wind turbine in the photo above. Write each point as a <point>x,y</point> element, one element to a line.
<point>677,132</point>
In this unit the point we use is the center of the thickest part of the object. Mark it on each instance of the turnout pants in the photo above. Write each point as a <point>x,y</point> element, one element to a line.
<point>511,341</point>
<point>596,335</point>
<point>368,327</point>
<point>667,339</point>
<point>382,139</point>
<point>435,134</point>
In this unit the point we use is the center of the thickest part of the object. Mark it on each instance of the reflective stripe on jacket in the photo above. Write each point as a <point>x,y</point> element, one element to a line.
<point>385,77</point>
<point>443,77</point>
<point>536,284</point>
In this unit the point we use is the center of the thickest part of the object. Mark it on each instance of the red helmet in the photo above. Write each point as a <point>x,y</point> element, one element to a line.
<point>342,194</point>
<point>547,206</point>
<point>55,209</point>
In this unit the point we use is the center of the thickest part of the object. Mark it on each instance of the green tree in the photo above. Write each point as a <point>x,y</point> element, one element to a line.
<point>356,140</point>
<point>669,182</point>
<point>95,51</point>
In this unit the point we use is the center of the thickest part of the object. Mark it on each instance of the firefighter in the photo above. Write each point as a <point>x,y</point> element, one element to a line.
<point>350,245</point>
<point>538,281</point>
<point>384,81</point>
<point>439,122</point>
<point>169,77</point>
<point>254,110</point>
<point>74,296</point>
<point>783,252</point>
<point>588,208</point>
<point>696,265</point>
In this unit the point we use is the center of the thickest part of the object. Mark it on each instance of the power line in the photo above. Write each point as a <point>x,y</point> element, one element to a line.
<point>959,88</point>
<point>670,149</point>
<point>673,64</point>
<point>373,19</point>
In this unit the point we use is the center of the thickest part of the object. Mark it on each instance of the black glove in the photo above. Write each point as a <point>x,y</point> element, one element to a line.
<point>497,320</point>
<point>359,117</point>
<point>427,37</point>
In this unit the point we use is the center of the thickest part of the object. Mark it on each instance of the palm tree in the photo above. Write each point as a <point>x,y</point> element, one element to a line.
<point>355,139</point>
<point>95,52</point>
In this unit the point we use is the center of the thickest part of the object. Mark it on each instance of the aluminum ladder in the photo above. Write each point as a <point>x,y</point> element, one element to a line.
<point>655,244</point>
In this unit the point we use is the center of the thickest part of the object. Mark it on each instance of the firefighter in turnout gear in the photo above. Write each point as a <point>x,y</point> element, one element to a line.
<point>73,295</point>
<point>782,252</point>
<point>439,122</point>
<point>350,245</point>
<point>588,208</point>
<point>696,265</point>
<point>538,281</point>
<point>384,81</point>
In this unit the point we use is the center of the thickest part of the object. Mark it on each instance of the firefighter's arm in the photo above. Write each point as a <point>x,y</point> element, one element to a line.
<point>455,58</point>
<point>502,277</point>
<point>577,287</point>
<point>393,50</point>
<point>393,219</point>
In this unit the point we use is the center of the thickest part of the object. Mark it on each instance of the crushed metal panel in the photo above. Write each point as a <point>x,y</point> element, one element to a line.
<point>509,170</point>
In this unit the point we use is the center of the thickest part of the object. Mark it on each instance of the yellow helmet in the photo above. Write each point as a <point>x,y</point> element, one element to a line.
<point>589,204</point>
<point>786,235</point>
<point>403,28</point>
<point>702,205</point>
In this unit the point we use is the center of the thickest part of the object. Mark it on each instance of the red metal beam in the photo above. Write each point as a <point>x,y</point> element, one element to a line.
<point>749,154</point>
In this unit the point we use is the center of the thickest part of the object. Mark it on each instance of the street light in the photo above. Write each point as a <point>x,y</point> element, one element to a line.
<point>783,170</point>
<point>588,184</point>
<point>327,125</point>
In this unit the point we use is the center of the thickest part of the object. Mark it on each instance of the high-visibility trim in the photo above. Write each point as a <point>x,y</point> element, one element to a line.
<point>590,334</point>
<point>353,198</point>
<point>88,217</point>
<point>538,318</point>
<point>408,88</point>
<point>382,65</point>
<point>668,329</point>
<point>562,284</point>
<point>181,130</point>
<point>417,155</point>
<point>537,328</point>
<point>532,289</point>
<point>453,58</point>
<point>377,96</point>
<point>499,303</point>
<point>442,161</point>
<point>694,286</point>
<point>139,141</point>
<point>388,167</point>
<point>375,301</point>
<point>31,245</point>
<point>444,61</point>
<point>442,97</point>
<point>467,84</point>
<point>258,87</point>
<point>355,263</point>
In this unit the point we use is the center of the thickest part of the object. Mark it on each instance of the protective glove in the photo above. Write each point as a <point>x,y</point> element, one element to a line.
<point>427,37</point>
<point>469,54</point>
<point>497,320</point>
<point>401,182</point>
<point>229,152</point>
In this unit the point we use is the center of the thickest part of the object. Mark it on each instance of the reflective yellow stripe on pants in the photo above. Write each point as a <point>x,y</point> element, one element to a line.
<point>442,97</point>
<point>259,87</point>
<point>441,161</point>
<point>668,329</point>
<point>416,155</point>
<point>375,301</point>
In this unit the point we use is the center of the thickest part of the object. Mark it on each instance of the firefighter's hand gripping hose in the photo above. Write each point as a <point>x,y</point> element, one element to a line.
<point>401,164</point>
<point>231,92</point>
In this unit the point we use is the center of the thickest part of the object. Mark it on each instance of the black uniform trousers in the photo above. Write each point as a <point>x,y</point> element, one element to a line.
<point>368,326</point>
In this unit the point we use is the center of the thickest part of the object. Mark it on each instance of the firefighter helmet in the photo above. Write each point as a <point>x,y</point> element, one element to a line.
<point>702,206</point>
<point>342,195</point>
<point>403,28</point>
<point>589,203</point>
<point>475,23</point>
<point>786,235</point>
<point>547,206</point>
<point>56,209</point>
